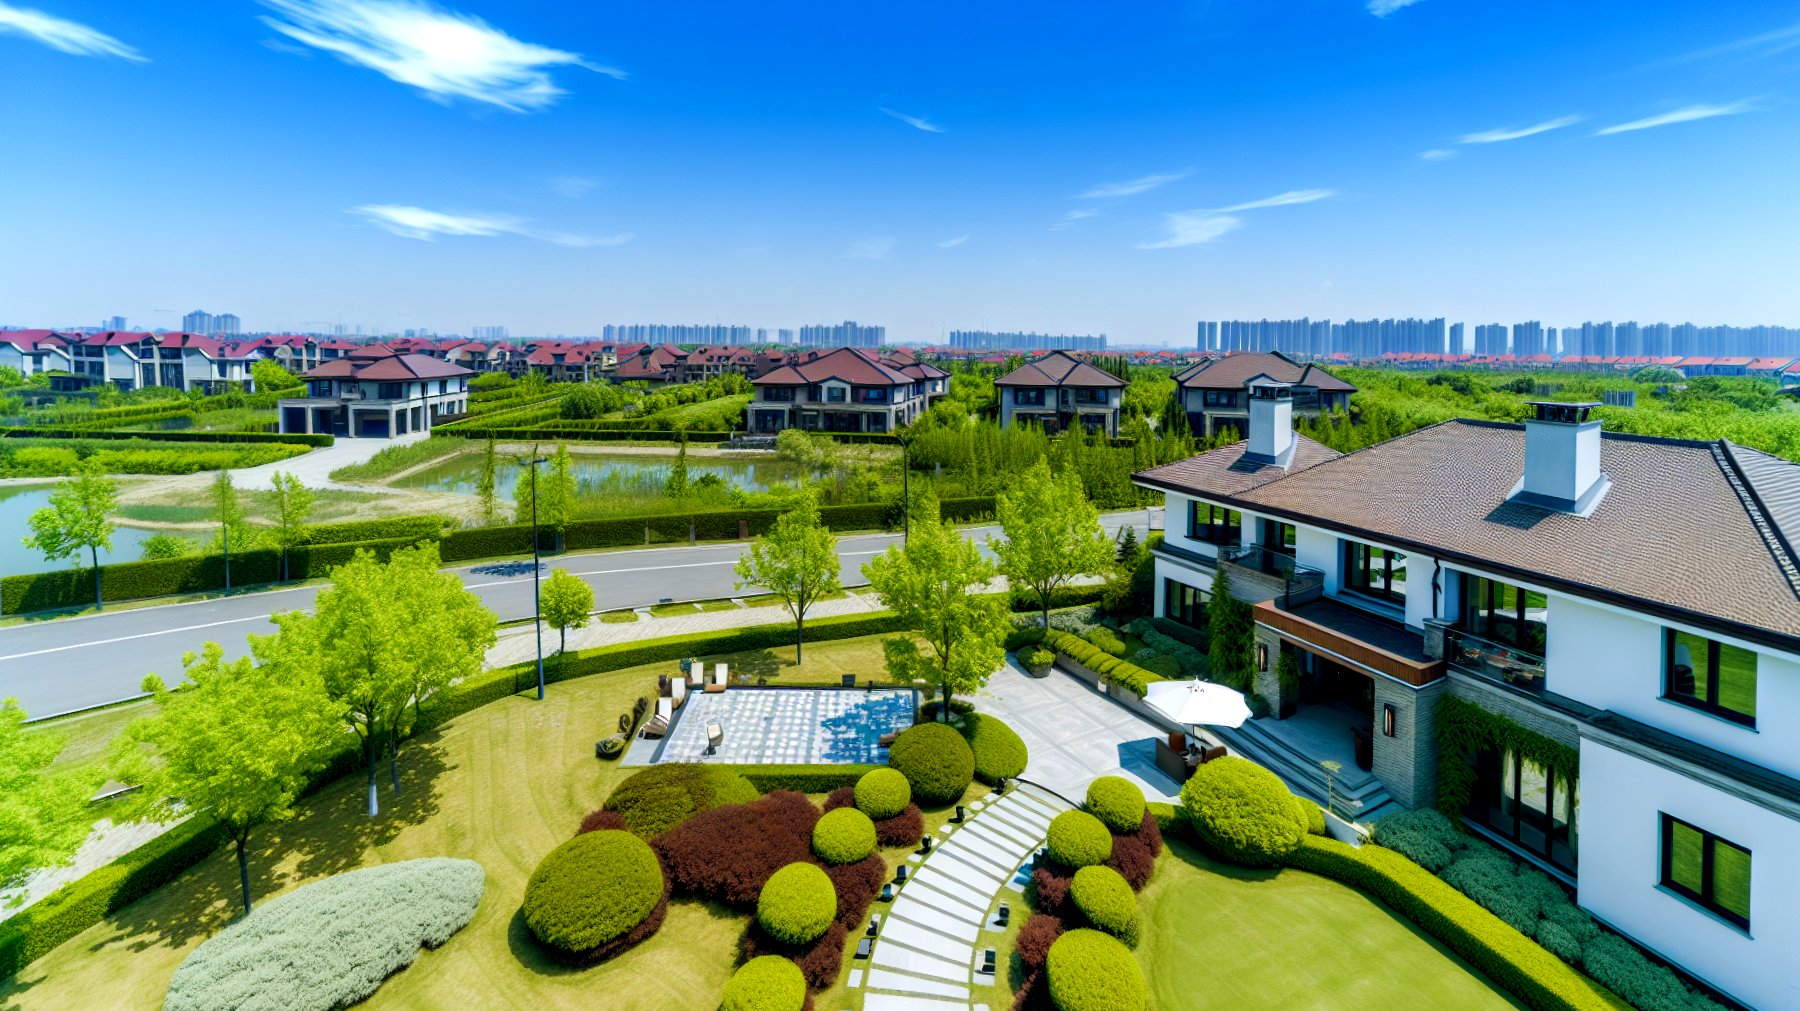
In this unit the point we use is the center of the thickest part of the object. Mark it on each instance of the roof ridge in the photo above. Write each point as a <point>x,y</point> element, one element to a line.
<point>1760,518</point>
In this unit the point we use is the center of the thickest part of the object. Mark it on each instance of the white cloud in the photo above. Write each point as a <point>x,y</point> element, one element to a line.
<point>1437,154</point>
<point>1280,200</point>
<point>1072,217</point>
<point>918,121</point>
<point>871,249</point>
<point>445,54</point>
<point>947,243</point>
<point>1132,188</point>
<point>1506,133</point>
<point>422,224</point>
<point>1189,228</point>
<point>573,186</point>
<point>66,36</point>
<point>1686,115</point>
<point>1382,8</point>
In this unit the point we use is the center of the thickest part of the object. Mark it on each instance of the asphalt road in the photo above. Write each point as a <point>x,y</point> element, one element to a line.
<point>74,663</point>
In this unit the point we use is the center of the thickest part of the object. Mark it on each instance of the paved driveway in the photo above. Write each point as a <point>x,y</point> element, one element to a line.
<point>1075,734</point>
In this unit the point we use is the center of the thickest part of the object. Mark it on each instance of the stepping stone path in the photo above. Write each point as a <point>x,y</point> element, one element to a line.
<point>930,945</point>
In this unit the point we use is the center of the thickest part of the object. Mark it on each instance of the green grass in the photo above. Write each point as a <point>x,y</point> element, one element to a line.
<point>87,735</point>
<point>774,600</point>
<point>672,610</point>
<point>718,605</point>
<point>1290,941</point>
<point>618,617</point>
<point>395,459</point>
<point>152,513</point>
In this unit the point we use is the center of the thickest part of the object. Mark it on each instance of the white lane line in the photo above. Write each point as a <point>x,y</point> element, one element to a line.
<point>140,635</point>
<point>641,568</point>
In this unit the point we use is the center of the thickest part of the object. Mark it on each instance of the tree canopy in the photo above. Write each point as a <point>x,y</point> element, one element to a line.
<point>796,560</point>
<point>566,602</point>
<point>1052,533</point>
<point>44,815</point>
<point>79,515</point>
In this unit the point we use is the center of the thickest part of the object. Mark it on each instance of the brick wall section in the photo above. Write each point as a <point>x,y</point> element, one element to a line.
<point>1267,683</point>
<point>1406,763</point>
<point>1500,702</point>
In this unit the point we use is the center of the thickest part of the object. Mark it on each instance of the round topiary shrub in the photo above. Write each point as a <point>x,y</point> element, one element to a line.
<point>1242,812</point>
<point>935,759</point>
<point>999,752</point>
<point>1106,899</point>
<point>1078,839</point>
<point>1037,660</point>
<point>1092,971</point>
<point>797,904</point>
<point>843,836</point>
<point>1314,816</point>
<point>1117,802</point>
<point>883,793</point>
<point>663,796</point>
<point>765,983</point>
<point>591,890</point>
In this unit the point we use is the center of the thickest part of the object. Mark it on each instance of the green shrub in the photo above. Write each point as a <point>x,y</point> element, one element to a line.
<point>1106,899</point>
<point>1078,839</point>
<point>1431,840</point>
<point>797,903</point>
<point>935,759</point>
<point>1314,815</point>
<point>1243,812</point>
<point>663,796</point>
<point>1091,971</point>
<point>883,793</point>
<point>335,940</point>
<point>1165,668</point>
<point>1117,802</point>
<point>1037,658</point>
<point>1107,640</point>
<point>1109,667</point>
<point>1019,638</point>
<point>999,752</point>
<point>592,889</point>
<point>803,778</point>
<point>1171,819</point>
<point>766,983</point>
<point>843,836</point>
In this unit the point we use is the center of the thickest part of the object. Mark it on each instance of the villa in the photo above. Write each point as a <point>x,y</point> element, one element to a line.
<point>1632,600</point>
<point>372,396</point>
<point>1062,393</point>
<point>836,391</point>
<point>1215,393</point>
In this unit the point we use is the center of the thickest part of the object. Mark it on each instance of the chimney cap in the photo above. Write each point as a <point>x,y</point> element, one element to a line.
<point>1562,411</point>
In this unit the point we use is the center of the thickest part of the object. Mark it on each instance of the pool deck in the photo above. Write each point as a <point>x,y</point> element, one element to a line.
<point>783,726</point>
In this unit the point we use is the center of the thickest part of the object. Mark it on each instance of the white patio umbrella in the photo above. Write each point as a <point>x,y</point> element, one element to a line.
<point>1196,702</point>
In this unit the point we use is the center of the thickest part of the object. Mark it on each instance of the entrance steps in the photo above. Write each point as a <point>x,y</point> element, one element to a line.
<point>1358,794</point>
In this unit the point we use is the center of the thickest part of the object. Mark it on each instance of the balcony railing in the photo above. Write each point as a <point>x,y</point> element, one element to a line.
<point>1496,661</point>
<point>1296,578</point>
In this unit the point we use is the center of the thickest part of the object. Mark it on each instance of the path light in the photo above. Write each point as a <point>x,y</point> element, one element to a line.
<point>1331,769</point>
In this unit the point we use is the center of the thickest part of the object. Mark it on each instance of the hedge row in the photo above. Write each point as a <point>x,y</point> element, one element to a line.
<point>296,439</point>
<point>477,428</point>
<point>375,530</point>
<point>1109,667</point>
<point>803,778</point>
<point>1520,965</point>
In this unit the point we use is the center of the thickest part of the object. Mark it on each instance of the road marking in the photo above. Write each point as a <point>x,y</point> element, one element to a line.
<point>643,568</point>
<point>140,635</point>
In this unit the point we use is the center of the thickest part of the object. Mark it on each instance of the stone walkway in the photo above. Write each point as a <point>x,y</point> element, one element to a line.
<point>931,944</point>
<point>315,467</point>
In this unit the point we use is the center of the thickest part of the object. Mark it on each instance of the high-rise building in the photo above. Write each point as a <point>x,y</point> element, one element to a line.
<point>1456,339</point>
<point>487,334</point>
<point>1209,336</point>
<point>848,334</point>
<point>197,322</point>
<point>1490,339</point>
<point>115,323</point>
<point>678,333</point>
<point>1655,338</point>
<point>226,324</point>
<point>1528,339</point>
<point>1627,340</point>
<point>984,340</point>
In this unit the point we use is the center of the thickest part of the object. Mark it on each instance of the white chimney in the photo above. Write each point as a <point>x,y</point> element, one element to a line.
<point>1271,424</point>
<point>1562,460</point>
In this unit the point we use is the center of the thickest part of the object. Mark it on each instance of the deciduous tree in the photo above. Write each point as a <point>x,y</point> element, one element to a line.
<point>567,602</point>
<point>796,560</point>
<point>1052,533</point>
<point>79,516</point>
<point>293,505</point>
<point>485,483</point>
<point>44,816</point>
<point>229,513</point>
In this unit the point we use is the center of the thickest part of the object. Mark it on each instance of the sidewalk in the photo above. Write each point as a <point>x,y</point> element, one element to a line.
<point>315,467</point>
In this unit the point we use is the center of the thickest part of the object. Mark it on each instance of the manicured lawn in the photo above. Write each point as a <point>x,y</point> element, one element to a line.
<point>1219,936</point>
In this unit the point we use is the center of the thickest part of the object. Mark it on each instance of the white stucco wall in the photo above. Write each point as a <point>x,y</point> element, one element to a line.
<point>1175,529</point>
<point>1622,798</point>
<point>1320,550</point>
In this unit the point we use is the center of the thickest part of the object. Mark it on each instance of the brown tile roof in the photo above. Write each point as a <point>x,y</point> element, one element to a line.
<point>1233,371</point>
<point>1223,471</point>
<point>844,364</point>
<point>1059,368</point>
<point>393,367</point>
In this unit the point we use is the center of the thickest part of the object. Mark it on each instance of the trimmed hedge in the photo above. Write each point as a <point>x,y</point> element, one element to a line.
<point>883,793</point>
<point>1117,802</point>
<point>1524,968</point>
<point>428,526</point>
<point>592,889</point>
<point>1000,752</point>
<point>803,778</point>
<point>765,983</point>
<point>935,759</point>
<point>1109,667</point>
<point>663,796</point>
<point>1078,839</point>
<point>797,904</point>
<point>297,439</point>
<point>1242,812</point>
<point>1108,902</point>
<point>843,836</point>
<point>1092,971</point>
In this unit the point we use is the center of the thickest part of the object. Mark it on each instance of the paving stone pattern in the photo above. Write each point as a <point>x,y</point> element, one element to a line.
<point>789,726</point>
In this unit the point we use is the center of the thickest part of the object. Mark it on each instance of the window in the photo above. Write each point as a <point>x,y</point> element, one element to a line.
<point>868,395</point>
<point>877,422</point>
<point>1028,398</point>
<point>1507,614</point>
<point>835,394</point>
<point>390,391</point>
<point>1375,571</point>
<point>1214,524</point>
<point>783,394</point>
<point>1090,396</point>
<point>1184,603</point>
<point>1221,398</point>
<point>1706,870</point>
<point>1278,536</point>
<point>1708,675</point>
<point>1527,804</point>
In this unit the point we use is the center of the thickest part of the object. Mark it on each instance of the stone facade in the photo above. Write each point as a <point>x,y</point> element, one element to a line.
<point>1267,683</point>
<point>1406,763</point>
<point>1500,702</point>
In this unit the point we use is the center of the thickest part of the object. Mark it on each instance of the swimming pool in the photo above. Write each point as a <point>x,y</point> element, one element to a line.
<point>791,726</point>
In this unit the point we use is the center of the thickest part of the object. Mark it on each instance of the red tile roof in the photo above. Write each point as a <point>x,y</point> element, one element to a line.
<point>390,367</point>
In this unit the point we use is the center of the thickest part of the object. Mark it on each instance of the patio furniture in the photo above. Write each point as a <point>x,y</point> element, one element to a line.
<point>849,681</point>
<point>1212,753</point>
<point>678,691</point>
<point>1177,742</point>
<point>662,684</point>
<point>863,947</point>
<point>887,892</point>
<point>1002,917</point>
<point>874,926</point>
<point>657,727</point>
<point>1195,702</point>
<point>886,740</point>
<point>961,814</point>
<point>900,874</point>
<point>987,962</point>
<point>715,688</point>
<point>715,736</point>
<point>719,675</point>
<point>610,747</point>
<point>1176,765</point>
<point>925,844</point>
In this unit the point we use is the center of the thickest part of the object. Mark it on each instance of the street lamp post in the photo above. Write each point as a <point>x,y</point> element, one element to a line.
<point>537,607</point>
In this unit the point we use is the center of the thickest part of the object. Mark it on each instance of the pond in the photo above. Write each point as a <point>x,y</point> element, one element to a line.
<point>598,473</point>
<point>17,503</point>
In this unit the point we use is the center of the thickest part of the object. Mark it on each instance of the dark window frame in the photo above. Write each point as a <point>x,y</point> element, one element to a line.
<point>1507,626</point>
<point>1705,897</point>
<point>1220,398</point>
<point>1185,604</point>
<point>390,391</point>
<point>1023,397</point>
<point>779,394</point>
<point>1710,702</point>
<point>1218,527</point>
<point>1357,573</point>
<point>1088,396</point>
<point>1488,802</point>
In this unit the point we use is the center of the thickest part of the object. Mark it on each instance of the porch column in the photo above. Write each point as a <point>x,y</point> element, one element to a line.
<point>1406,763</point>
<point>1267,683</point>
<point>391,420</point>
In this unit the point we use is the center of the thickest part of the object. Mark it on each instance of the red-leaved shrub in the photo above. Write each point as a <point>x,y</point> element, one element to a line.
<point>727,853</point>
<point>600,820</point>
<point>903,829</point>
<point>843,796</point>
<point>1035,938</point>
<point>856,885</point>
<point>1132,860</point>
<point>1050,883</point>
<point>1034,994</point>
<point>1150,834</point>
<point>819,960</point>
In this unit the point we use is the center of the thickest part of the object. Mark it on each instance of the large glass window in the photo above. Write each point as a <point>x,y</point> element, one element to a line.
<point>1713,676</point>
<point>1214,524</point>
<point>1028,398</point>
<point>1706,870</point>
<point>1503,613</point>
<point>1377,572</point>
<point>1218,398</point>
<point>1278,536</point>
<point>1528,804</point>
<point>1184,603</point>
<point>1091,396</point>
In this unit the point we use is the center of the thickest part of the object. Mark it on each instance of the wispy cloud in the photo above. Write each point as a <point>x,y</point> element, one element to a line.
<point>442,53</point>
<point>1072,217</point>
<point>1382,8</point>
<point>870,249</point>
<point>1437,154</point>
<point>1766,44</point>
<point>1132,188</point>
<point>1686,115</point>
<point>918,121</point>
<point>1280,200</point>
<point>573,186</point>
<point>422,224</point>
<point>947,243</point>
<point>66,36</point>
<point>1190,228</point>
<point>1507,133</point>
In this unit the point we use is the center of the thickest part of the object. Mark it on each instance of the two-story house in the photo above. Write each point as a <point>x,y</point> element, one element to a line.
<point>1215,392</point>
<point>653,365</point>
<point>1623,611</point>
<point>834,391</point>
<point>1062,393</point>
<point>35,351</point>
<point>376,396</point>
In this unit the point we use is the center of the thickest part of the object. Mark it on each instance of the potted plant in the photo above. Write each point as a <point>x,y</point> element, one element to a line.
<point>1037,661</point>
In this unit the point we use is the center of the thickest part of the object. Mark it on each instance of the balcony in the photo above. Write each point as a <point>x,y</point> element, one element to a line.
<point>1496,661</point>
<point>1293,582</point>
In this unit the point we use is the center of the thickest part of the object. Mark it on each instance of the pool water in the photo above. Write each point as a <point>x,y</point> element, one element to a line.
<point>790,726</point>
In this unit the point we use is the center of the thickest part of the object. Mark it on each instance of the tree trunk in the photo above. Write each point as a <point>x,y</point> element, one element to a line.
<point>244,871</point>
<point>799,623</point>
<point>394,761</point>
<point>369,747</point>
<point>99,605</point>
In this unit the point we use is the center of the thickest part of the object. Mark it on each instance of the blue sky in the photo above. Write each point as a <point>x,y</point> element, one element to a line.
<point>1119,168</point>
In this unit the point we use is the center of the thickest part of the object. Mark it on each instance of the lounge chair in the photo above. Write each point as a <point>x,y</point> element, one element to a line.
<point>886,740</point>
<point>719,677</point>
<point>657,727</point>
<point>678,691</point>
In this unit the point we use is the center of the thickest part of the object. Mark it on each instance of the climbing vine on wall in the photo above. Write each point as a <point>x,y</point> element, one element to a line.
<point>1464,727</point>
